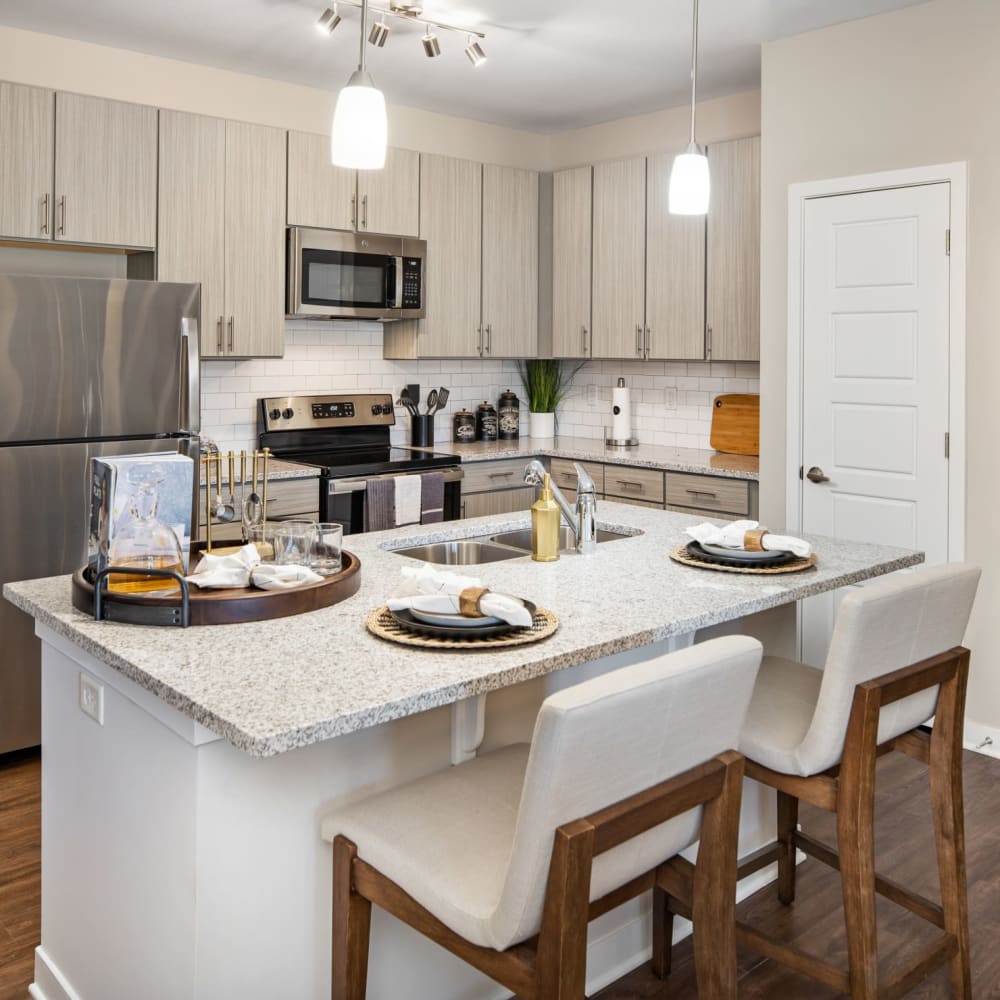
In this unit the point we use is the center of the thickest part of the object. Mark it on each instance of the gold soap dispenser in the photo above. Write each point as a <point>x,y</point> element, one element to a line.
<point>545,525</point>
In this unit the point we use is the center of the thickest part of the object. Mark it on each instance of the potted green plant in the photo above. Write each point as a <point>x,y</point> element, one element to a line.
<point>546,383</point>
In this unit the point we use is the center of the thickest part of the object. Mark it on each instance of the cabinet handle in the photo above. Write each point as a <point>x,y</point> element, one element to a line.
<point>583,342</point>
<point>354,211</point>
<point>500,475</point>
<point>479,329</point>
<point>708,343</point>
<point>638,339</point>
<point>645,351</point>
<point>45,213</point>
<point>702,493</point>
<point>364,212</point>
<point>218,335</point>
<point>463,508</point>
<point>231,325</point>
<point>62,215</point>
<point>629,484</point>
<point>489,338</point>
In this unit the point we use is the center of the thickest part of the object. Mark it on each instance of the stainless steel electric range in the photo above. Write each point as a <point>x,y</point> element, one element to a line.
<point>347,438</point>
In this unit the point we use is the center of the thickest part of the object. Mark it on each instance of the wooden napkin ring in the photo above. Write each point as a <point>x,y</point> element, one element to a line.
<point>753,540</point>
<point>468,601</point>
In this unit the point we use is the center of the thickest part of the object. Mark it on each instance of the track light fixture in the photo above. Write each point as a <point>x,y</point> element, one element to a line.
<point>432,47</point>
<point>475,53</point>
<point>406,10</point>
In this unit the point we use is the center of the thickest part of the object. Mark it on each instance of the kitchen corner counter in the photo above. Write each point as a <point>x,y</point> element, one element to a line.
<point>695,460</point>
<point>269,687</point>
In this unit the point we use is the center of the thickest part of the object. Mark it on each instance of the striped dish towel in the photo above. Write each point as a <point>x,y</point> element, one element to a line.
<point>432,498</point>
<point>380,504</point>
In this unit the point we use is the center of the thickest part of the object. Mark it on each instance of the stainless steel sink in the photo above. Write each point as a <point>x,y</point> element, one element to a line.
<point>465,552</point>
<point>522,539</point>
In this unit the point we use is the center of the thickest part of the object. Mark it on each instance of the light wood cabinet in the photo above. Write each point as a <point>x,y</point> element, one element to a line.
<point>732,311</point>
<point>27,116</point>
<point>675,272</point>
<point>619,259</point>
<point>708,493</point>
<point>222,208</point>
<point>572,194</point>
<point>323,196</point>
<point>498,502</point>
<point>510,262</point>
<point>105,178</point>
<point>633,483</point>
<point>451,216</point>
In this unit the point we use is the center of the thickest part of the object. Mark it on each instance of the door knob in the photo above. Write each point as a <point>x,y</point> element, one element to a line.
<point>815,475</point>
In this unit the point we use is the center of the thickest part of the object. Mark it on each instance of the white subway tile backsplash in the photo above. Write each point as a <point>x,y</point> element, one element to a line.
<point>321,356</point>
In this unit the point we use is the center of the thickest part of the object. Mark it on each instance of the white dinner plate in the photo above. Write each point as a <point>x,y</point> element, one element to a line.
<point>770,555</point>
<point>452,620</point>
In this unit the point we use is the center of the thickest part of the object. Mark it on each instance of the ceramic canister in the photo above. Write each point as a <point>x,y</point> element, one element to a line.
<point>463,426</point>
<point>486,422</point>
<point>508,416</point>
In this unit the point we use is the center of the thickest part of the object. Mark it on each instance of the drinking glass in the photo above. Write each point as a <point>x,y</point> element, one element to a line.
<point>262,537</point>
<point>325,552</point>
<point>293,541</point>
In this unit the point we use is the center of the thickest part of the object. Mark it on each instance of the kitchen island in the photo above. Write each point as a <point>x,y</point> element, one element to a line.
<point>181,856</point>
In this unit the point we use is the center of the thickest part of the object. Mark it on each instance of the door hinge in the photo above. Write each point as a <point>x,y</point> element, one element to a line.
<point>947,444</point>
<point>947,242</point>
<point>801,471</point>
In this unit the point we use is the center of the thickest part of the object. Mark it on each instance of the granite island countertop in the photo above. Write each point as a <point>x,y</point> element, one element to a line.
<point>268,687</point>
<point>696,460</point>
<point>277,468</point>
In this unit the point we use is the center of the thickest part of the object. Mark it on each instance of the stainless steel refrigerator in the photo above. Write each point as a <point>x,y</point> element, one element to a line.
<point>88,366</point>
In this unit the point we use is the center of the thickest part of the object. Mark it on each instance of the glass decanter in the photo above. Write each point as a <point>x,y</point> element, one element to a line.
<point>144,542</point>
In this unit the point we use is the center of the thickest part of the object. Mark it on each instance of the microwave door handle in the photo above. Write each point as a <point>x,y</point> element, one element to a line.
<point>394,283</point>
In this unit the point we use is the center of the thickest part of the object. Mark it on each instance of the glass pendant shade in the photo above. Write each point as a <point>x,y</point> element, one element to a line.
<point>690,186</point>
<point>358,137</point>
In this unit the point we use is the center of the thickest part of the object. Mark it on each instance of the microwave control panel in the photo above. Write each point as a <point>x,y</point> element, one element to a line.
<point>412,281</point>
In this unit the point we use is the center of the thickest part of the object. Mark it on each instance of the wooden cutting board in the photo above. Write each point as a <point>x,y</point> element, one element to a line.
<point>736,423</point>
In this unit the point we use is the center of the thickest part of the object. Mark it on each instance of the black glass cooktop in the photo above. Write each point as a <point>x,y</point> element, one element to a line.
<point>373,461</point>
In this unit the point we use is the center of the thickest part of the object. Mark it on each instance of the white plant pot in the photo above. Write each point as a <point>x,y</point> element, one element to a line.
<point>542,425</point>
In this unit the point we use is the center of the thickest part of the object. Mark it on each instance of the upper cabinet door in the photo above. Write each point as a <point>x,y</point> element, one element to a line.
<point>389,199</point>
<point>105,172</point>
<point>26,130</point>
<point>619,259</point>
<point>510,262</point>
<point>675,272</point>
<point>572,192</point>
<point>733,285</point>
<point>255,228</point>
<point>320,195</point>
<point>192,235</point>
<point>451,215</point>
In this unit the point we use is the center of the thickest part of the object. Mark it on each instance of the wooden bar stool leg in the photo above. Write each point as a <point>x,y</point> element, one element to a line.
<point>663,933</point>
<point>713,909</point>
<point>947,807</point>
<point>788,819</point>
<point>351,926</point>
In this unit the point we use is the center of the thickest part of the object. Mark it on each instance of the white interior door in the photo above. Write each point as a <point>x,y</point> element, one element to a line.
<point>875,376</point>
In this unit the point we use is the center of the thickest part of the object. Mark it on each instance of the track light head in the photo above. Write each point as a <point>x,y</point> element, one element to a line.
<point>432,47</point>
<point>379,33</point>
<point>475,53</point>
<point>328,20</point>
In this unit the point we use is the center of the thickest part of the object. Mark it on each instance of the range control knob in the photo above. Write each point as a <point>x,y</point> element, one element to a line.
<point>376,409</point>
<point>274,414</point>
<point>288,413</point>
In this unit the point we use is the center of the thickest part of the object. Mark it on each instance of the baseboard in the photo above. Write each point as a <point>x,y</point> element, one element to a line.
<point>50,983</point>
<point>982,739</point>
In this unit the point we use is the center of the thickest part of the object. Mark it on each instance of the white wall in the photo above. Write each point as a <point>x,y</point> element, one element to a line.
<point>917,86</point>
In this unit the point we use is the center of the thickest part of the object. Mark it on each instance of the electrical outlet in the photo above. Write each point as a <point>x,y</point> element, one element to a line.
<point>670,398</point>
<point>592,395</point>
<point>92,698</point>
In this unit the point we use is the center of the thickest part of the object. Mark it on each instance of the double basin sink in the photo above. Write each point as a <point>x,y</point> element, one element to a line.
<point>494,548</point>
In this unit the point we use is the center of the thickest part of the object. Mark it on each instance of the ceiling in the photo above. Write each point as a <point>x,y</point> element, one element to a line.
<point>553,64</point>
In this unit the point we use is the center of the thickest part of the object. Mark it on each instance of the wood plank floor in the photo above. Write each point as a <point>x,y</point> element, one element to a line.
<point>905,851</point>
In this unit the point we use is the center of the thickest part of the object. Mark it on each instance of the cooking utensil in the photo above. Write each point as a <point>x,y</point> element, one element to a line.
<point>442,399</point>
<point>432,401</point>
<point>411,406</point>
<point>413,391</point>
<point>206,460</point>
<point>225,512</point>
<point>243,494</point>
<point>263,488</point>
<point>251,506</point>
<point>736,424</point>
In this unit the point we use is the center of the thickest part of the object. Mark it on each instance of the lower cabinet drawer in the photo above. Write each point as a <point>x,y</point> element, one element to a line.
<point>714,514</point>
<point>632,502</point>
<point>564,475</point>
<point>633,483</point>
<point>500,475</point>
<point>498,502</point>
<point>708,493</point>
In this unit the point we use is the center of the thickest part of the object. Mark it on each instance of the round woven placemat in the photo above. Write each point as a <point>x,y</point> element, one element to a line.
<point>381,623</point>
<point>680,554</point>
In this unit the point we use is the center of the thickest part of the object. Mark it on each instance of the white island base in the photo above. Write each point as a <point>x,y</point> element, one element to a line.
<point>176,867</point>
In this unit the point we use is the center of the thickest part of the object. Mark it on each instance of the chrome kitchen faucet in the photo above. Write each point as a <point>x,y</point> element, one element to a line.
<point>583,519</point>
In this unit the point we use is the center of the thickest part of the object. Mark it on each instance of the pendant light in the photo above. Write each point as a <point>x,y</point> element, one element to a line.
<point>358,137</point>
<point>690,185</point>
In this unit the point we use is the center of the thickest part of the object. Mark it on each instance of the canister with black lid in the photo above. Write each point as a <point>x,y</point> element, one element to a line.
<point>463,426</point>
<point>508,416</point>
<point>486,422</point>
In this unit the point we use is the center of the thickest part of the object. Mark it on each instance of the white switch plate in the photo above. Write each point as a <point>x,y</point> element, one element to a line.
<point>92,698</point>
<point>670,398</point>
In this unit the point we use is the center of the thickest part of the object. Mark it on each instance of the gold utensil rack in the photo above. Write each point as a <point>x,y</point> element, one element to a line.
<point>212,465</point>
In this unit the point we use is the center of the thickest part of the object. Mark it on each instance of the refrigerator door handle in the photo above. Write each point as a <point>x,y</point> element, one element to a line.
<point>189,406</point>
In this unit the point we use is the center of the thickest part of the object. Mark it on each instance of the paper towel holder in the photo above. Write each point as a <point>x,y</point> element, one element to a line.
<point>613,442</point>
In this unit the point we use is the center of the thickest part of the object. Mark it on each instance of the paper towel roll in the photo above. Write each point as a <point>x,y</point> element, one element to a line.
<point>621,414</point>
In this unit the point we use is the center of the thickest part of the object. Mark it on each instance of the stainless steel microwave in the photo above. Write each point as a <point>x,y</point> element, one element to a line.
<point>354,275</point>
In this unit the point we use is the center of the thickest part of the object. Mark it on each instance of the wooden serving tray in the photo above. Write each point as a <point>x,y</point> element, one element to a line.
<point>219,607</point>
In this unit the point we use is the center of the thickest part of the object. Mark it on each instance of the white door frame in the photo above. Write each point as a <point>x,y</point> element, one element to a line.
<point>798,195</point>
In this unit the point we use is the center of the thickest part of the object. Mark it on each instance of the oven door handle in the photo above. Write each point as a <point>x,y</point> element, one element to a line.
<point>360,485</point>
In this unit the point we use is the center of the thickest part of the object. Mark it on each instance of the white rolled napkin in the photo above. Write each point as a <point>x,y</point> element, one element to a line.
<point>438,591</point>
<point>244,569</point>
<point>731,537</point>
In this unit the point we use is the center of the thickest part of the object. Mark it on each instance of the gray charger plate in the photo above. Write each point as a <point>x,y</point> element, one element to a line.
<point>766,557</point>
<point>407,620</point>
<point>697,551</point>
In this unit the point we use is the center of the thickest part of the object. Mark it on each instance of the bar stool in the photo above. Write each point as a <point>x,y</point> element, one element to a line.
<point>895,660</point>
<point>503,860</point>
